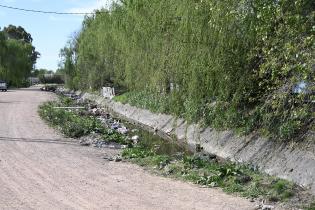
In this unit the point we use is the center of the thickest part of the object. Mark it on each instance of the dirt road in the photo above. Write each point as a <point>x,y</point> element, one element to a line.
<point>40,169</point>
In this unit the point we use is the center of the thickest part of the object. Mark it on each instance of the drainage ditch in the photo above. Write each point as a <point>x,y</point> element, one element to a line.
<point>172,159</point>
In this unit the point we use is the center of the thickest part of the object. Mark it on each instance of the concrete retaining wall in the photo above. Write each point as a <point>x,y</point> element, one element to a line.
<point>293,161</point>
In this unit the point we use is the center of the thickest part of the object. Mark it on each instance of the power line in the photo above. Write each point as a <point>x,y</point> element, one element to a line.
<point>47,12</point>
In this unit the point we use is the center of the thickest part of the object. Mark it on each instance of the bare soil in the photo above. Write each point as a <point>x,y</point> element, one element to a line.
<point>40,169</point>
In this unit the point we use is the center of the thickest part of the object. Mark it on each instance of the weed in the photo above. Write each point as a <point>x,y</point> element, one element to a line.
<point>73,124</point>
<point>311,206</point>
<point>232,178</point>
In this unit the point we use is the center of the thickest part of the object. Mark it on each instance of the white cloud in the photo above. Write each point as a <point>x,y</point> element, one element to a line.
<point>98,4</point>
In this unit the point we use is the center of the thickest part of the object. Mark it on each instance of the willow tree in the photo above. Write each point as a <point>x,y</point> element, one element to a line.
<point>229,63</point>
<point>17,55</point>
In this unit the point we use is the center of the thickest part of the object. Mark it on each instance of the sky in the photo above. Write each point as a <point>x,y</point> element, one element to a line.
<point>50,32</point>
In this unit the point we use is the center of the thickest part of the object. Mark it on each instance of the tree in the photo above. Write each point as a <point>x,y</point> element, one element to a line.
<point>2,51</point>
<point>17,55</point>
<point>2,46</point>
<point>19,33</point>
<point>233,63</point>
<point>67,64</point>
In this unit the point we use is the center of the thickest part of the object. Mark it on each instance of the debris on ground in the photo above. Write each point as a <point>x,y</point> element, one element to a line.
<point>116,158</point>
<point>113,125</point>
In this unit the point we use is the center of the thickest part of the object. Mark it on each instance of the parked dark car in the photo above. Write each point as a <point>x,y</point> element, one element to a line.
<point>3,86</point>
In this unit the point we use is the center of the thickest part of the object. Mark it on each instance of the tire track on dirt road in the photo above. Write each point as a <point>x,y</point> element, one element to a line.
<point>40,169</point>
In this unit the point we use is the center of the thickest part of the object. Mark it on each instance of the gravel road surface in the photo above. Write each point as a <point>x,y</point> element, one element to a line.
<point>40,169</point>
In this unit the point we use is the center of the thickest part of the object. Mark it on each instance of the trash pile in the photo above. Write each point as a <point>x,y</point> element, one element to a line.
<point>113,125</point>
<point>51,88</point>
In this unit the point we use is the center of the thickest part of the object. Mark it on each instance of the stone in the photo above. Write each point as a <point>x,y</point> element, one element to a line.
<point>85,141</point>
<point>243,179</point>
<point>267,207</point>
<point>135,138</point>
<point>115,126</point>
<point>257,207</point>
<point>122,130</point>
<point>96,112</point>
<point>85,144</point>
<point>213,184</point>
<point>117,159</point>
<point>92,139</point>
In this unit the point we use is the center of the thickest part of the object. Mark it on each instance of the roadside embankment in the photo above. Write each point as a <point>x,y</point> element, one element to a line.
<point>294,161</point>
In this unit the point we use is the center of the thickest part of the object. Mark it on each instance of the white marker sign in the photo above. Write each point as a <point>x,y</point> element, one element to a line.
<point>108,92</point>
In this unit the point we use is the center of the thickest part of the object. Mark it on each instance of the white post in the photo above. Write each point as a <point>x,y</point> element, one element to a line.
<point>108,92</point>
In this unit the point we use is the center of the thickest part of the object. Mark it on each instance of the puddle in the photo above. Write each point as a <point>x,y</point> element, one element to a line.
<point>153,141</point>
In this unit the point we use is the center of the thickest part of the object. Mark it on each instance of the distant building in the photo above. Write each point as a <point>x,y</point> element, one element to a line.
<point>34,80</point>
<point>49,75</point>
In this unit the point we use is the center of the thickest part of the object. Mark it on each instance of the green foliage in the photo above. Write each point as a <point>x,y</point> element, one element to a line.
<point>72,124</point>
<point>311,206</point>
<point>229,63</point>
<point>48,76</point>
<point>231,177</point>
<point>17,55</point>
<point>67,66</point>
<point>145,99</point>
<point>281,189</point>
<point>51,79</point>
<point>136,152</point>
<point>18,33</point>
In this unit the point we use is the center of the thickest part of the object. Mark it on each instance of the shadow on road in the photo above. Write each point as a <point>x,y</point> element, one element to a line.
<point>34,89</point>
<point>10,102</point>
<point>34,140</point>
<point>9,91</point>
<point>29,89</point>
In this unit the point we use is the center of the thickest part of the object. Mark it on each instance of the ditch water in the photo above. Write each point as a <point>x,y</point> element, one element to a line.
<point>147,139</point>
<point>153,141</point>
